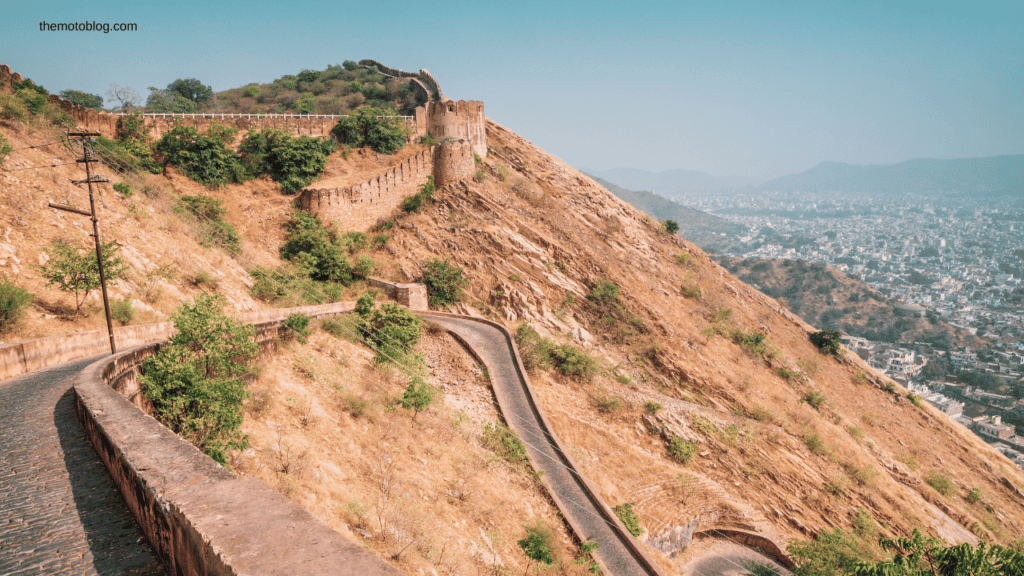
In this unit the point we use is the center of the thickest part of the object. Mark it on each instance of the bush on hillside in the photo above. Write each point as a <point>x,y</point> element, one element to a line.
<point>195,381</point>
<point>13,303</point>
<point>214,231</point>
<point>828,341</point>
<point>373,127</point>
<point>392,329</point>
<point>444,282</point>
<point>74,269</point>
<point>629,518</point>
<point>294,162</point>
<point>317,248</point>
<point>203,159</point>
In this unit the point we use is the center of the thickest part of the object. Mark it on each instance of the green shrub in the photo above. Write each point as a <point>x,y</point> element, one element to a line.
<point>225,134</point>
<point>705,426</point>
<point>195,381</point>
<point>392,328</point>
<point>827,341</point>
<point>13,302</point>
<point>418,396</point>
<point>537,545</point>
<point>573,362</point>
<point>317,248</point>
<point>681,450</point>
<point>671,226</point>
<point>123,189</point>
<point>534,350</point>
<point>788,375</point>
<point>604,294</point>
<point>754,343</point>
<point>203,159</point>
<point>373,127</point>
<point>297,326</point>
<point>292,161</point>
<point>444,282</point>
<point>629,518</point>
<point>942,483</point>
<point>815,399</point>
<point>215,231</point>
<point>423,197</point>
<point>915,400</point>
<point>607,403</point>
<point>205,279</point>
<point>75,270</point>
<point>122,311</point>
<point>503,442</point>
<point>864,475</point>
<point>683,258</point>
<point>480,175</point>
<point>5,148</point>
<point>692,292</point>
<point>502,172</point>
<point>856,433</point>
<point>864,523</point>
<point>815,444</point>
<point>974,496</point>
<point>652,407</point>
<point>831,553</point>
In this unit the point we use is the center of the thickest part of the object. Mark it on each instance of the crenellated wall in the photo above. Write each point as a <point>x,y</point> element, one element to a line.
<point>461,120</point>
<point>361,206</point>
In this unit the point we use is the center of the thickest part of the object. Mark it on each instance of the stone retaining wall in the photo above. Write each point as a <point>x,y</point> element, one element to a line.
<point>200,518</point>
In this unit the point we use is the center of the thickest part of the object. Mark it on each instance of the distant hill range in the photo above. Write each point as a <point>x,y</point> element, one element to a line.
<point>705,230</point>
<point>670,183</point>
<point>826,297</point>
<point>994,175</point>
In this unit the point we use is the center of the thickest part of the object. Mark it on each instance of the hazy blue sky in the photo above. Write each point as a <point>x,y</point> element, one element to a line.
<point>756,89</point>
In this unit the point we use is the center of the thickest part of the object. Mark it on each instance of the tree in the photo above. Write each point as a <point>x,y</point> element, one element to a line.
<point>167,101</point>
<point>79,273</point>
<point>126,97</point>
<point>379,129</point>
<point>194,381</point>
<point>671,226</point>
<point>94,101</point>
<point>536,546</point>
<point>191,89</point>
<point>920,556</point>
<point>393,328</point>
<point>418,396</point>
<point>444,282</point>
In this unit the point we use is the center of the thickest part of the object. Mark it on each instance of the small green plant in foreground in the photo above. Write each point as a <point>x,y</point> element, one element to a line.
<point>13,301</point>
<point>537,545</point>
<point>629,518</point>
<point>942,483</point>
<point>681,450</point>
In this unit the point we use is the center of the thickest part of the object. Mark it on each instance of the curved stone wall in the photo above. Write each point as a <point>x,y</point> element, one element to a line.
<point>453,162</point>
<point>462,120</point>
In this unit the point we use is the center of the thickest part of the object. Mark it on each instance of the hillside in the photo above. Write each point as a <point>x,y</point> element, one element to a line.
<point>788,443</point>
<point>929,177</point>
<point>827,297</point>
<point>670,183</point>
<point>705,230</point>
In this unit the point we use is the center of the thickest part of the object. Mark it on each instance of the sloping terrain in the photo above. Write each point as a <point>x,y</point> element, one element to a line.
<point>789,442</point>
<point>827,297</point>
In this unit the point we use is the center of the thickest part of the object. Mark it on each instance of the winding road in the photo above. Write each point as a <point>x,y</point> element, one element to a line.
<point>495,350</point>
<point>60,513</point>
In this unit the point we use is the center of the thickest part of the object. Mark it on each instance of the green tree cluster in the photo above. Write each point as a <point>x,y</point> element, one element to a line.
<point>195,381</point>
<point>392,328</point>
<point>84,99</point>
<point>323,251</point>
<point>294,162</point>
<point>828,341</point>
<point>373,127</point>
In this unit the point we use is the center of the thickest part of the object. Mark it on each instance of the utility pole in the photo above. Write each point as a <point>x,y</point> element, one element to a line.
<point>87,158</point>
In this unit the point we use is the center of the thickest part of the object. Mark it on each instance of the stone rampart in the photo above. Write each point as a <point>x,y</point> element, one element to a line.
<point>200,518</point>
<point>412,296</point>
<point>453,162</point>
<point>359,207</point>
<point>462,120</point>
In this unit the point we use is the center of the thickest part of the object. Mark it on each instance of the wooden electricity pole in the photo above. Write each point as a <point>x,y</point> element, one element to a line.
<point>87,158</point>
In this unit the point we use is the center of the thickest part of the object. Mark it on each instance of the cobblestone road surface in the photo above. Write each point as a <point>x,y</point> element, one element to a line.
<point>60,512</point>
<point>519,413</point>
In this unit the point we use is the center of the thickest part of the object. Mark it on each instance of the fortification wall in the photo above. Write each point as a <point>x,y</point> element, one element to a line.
<point>462,120</point>
<point>453,162</point>
<point>359,207</point>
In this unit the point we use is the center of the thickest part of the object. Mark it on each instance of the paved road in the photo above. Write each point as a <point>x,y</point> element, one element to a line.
<point>60,513</point>
<point>522,418</point>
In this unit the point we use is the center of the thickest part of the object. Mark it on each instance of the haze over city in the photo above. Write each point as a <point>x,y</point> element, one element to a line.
<point>748,90</point>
